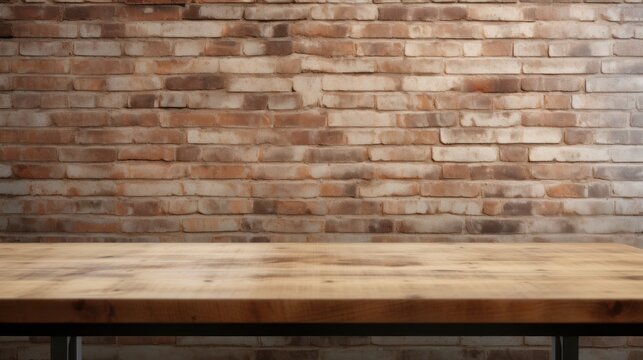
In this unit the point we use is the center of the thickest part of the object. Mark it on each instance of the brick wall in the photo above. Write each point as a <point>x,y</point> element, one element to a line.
<point>346,121</point>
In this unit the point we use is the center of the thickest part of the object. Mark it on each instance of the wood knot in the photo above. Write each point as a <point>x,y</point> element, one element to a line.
<point>615,308</point>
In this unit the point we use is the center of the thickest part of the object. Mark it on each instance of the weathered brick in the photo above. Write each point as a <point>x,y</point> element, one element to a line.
<point>551,84</point>
<point>437,224</point>
<point>214,12</point>
<point>344,12</point>
<point>271,12</point>
<point>358,83</point>
<point>194,82</point>
<point>598,101</point>
<point>259,85</point>
<point>502,136</point>
<point>132,83</point>
<point>431,83</point>
<point>569,153</point>
<point>435,48</point>
<point>584,49</point>
<point>622,66</point>
<point>615,84</point>
<point>465,154</point>
<point>359,225</point>
<point>89,12</point>
<point>560,66</point>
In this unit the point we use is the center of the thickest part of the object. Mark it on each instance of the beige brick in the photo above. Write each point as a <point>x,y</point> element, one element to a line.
<point>502,136</point>
<point>215,12</point>
<point>342,100</point>
<point>276,12</point>
<point>465,154</point>
<point>361,119</point>
<point>133,83</point>
<point>569,153</point>
<point>309,88</point>
<point>496,13</point>
<point>572,30</point>
<point>483,66</point>
<point>436,224</point>
<point>358,83</point>
<point>622,66</point>
<point>561,66</point>
<point>576,48</point>
<point>199,136</point>
<point>430,83</point>
<point>530,48</point>
<point>434,48</point>
<point>255,65</point>
<point>598,101</point>
<point>399,153</point>
<point>627,189</point>
<point>626,153</point>
<point>97,48</point>
<point>388,188</point>
<point>518,31</point>
<point>499,119</point>
<point>252,84</point>
<point>213,100</point>
<point>5,171</point>
<point>192,29</point>
<point>344,12</point>
<point>615,84</point>
<point>337,65</point>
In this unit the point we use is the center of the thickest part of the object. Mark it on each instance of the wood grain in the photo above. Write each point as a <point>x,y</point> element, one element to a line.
<point>321,283</point>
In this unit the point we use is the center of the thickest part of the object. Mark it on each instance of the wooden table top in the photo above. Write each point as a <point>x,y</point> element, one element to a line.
<point>320,283</point>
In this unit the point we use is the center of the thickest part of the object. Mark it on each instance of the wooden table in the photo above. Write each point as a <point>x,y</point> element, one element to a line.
<point>563,290</point>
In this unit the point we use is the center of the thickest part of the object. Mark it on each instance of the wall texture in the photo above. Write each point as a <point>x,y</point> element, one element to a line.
<point>482,120</point>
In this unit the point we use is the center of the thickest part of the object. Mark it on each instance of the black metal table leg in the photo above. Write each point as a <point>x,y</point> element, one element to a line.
<point>564,348</point>
<point>66,348</point>
<point>75,348</point>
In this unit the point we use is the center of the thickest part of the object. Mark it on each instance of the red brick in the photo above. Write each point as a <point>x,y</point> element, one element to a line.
<point>101,66</point>
<point>304,119</point>
<point>222,48</point>
<point>150,13</point>
<point>38,83</point>
<point>358,226</point>
<point>40,66</point>
<point>194,82</point>
<point>88,12</point>
<point>68,119</point>
<point>218,171</point>
<point>31,153</point>
<point>142,101</point>
<point>35,12</point>
<point>87,154</point>
<point>146,152</point>
<point>38,171</point>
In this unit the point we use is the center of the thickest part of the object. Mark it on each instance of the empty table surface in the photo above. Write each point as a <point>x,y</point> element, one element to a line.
<point>320,283</point>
